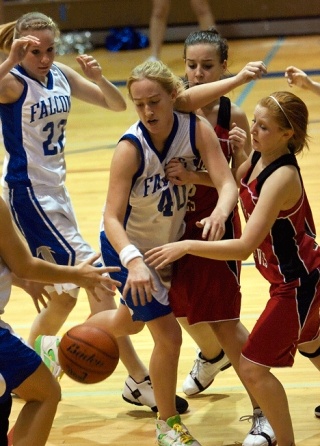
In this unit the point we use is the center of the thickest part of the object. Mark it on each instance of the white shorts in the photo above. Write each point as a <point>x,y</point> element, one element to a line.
<point>47,220</point>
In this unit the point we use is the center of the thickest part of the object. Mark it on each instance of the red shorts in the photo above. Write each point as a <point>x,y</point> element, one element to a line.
<point>206,290</point>
<point>291,317</point>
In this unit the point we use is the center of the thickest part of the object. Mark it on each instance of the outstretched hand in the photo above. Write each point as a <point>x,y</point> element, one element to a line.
<point>36,290</point>
<point>163,255</point>
<point>92,277</point>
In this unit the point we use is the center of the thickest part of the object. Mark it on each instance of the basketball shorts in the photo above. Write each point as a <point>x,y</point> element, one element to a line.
<point>17,362</point>
<point>291,317</point>
<point>47,220</point>
<point>206,290</point>
<point>159,306</point>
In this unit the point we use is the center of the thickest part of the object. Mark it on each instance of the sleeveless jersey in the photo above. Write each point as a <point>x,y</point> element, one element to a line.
<point>199,286</point>
<point>34,131</point>
<point>289,251</point>
<point>156,207</point>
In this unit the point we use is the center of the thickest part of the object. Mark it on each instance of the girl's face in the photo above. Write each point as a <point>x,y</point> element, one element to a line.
<point>267,136</point>
<point>39,58</point>
<point>153,105</point>
<point>203,64</point>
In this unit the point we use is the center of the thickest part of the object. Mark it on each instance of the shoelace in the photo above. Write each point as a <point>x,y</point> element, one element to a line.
<point>257,422</point>
<point>185,436</point>
<point>196,367</point>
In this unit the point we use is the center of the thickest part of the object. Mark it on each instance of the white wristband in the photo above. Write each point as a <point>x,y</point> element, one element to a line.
<point>128,253</point>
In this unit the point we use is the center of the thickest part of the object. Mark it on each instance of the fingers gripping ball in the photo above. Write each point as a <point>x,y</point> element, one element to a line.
<point>88,354</point>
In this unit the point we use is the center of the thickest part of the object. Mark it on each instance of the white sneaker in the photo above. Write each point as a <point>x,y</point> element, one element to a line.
<point>47,348</point>
<point>261,432</point>
<point>203,373</point>
<point>174,433</point>
<point>141,394</point>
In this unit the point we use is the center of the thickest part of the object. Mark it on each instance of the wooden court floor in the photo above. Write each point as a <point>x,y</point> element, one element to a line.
<point>94,415</point>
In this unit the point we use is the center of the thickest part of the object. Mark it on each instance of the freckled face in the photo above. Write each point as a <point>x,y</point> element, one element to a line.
<point>39,58</point>
<point>202,64</point>
<point>153,105</point>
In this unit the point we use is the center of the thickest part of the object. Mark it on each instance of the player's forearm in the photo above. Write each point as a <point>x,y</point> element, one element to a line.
<point>314,87</point>
<point>41,271</point>
<point>113,97</point>
<point>233,249</point>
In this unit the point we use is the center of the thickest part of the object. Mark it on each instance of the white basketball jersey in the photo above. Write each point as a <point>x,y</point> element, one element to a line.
<point>34,131</point>
<point>156,208</point>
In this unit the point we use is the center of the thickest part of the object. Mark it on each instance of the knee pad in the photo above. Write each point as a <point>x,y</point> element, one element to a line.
<point>310,355</point>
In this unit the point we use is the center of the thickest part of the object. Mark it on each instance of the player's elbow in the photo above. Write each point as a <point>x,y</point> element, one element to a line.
<point>120,107</point>
<point>244,255</point>
<point>244,250</point>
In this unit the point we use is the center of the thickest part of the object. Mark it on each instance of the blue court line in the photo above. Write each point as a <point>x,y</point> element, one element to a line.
<point>272,74</point>
<point>281,73</point>
<point>244,94</point>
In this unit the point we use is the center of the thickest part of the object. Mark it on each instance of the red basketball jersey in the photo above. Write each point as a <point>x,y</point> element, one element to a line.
<point>289,251</point>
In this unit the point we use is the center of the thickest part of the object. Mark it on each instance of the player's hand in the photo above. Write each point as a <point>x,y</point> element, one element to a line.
<point>297,77</point>
<point>140,282</point>
<point>237,137</point>
<point>20,48</point>
<point>252,71</point>
<point>90,67</point>
<point>92,277</point>
<point>163,255</point>
<point>177,173</point>
<point>37,292</point>
<point>213,226</point>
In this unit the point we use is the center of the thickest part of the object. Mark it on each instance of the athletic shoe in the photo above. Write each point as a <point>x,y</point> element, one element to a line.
<point>173,433</point>
<point>47,348</point>
<point>141,394</point>
<point>261,433</point>
<point>317,411</point>
<point>203,373</point>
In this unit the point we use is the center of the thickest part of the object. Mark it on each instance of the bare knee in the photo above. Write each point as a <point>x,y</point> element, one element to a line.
<point>167,335</point>
<point>249,372</point>
<point>136,327</point>
<point>62,304</point>
<point>41,387</point>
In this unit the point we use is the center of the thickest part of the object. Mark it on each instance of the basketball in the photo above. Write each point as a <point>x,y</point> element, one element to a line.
<point>88,354</point>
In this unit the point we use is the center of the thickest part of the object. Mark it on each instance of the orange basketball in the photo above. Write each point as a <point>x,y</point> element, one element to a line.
<point>88,354</point>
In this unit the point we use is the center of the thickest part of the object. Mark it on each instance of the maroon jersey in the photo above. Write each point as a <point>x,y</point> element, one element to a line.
<point>289,251</point>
